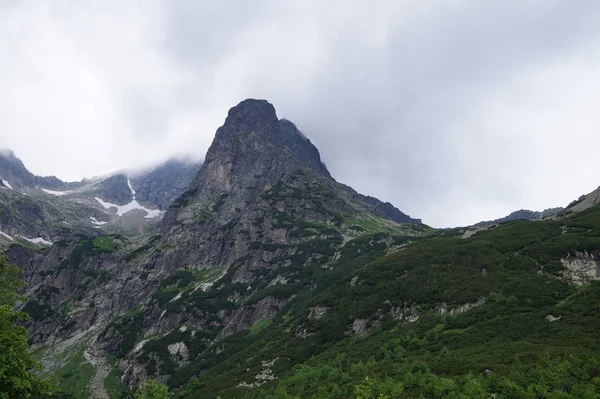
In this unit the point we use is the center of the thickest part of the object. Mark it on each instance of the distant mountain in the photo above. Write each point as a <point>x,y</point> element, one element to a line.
<point>523,214</point>
<point>39,210</point>
<point>161,185</point>
<point>584,202</point>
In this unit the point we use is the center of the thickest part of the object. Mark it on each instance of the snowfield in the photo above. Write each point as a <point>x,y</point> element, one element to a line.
<point>131,188</point>
<point>38,240</point>
<point>6,235</point>
<point>97,222</point>
<point>7,184</point>
<point>57,193</point>
<point>123,209</point>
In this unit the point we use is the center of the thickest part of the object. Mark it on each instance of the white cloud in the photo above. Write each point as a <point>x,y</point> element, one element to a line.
<point>453,111</point>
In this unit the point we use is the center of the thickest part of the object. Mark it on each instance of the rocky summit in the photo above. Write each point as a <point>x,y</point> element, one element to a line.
<point>258,275</point>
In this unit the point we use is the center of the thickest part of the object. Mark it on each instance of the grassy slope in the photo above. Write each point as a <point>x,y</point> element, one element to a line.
<point>508,335</point>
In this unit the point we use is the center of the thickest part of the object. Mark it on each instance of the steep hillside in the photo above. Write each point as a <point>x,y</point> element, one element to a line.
<point>262,225</point>
<point>511,312</point>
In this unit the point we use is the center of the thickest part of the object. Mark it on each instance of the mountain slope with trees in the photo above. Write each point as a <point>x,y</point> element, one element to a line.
<point>269,279</point>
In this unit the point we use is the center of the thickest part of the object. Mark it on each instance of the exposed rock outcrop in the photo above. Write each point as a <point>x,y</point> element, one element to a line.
<point>582,267</point>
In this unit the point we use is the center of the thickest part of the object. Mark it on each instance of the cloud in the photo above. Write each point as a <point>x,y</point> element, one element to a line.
<point>455,111</point>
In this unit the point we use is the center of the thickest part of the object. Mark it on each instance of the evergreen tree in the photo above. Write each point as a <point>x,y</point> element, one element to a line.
<point>153,390</point>
<point>18,378</point>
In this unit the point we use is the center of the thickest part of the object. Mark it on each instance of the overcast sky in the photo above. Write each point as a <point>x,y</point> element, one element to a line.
<point>455,111</point>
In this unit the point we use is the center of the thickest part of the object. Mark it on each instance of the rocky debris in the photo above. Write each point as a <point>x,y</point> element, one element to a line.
<point>303,332</point>
<point>317,312</point>
<point>442,308</point>
<point>133,373</point>
<point>359,327</point>
<point>97,388</point>
<point>179,352</point>
<point>57,352</point>
<point>264,376</point>
<point>278,280</point>
<point>466,307</point>
<point>139,346</point>
<point>582,267</point>
<point>470,232</point>
<point>405,313</point>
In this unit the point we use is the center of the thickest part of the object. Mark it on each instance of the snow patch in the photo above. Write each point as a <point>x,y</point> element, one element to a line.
<point>7,184</point>
<point>97,222</point>
<point>38,240</point>
<point>131,188</point>
<point>178,296</point>
<point>6,235</point>
<point>139,346</point>
<point>57,193</point>
<point>123,209</point>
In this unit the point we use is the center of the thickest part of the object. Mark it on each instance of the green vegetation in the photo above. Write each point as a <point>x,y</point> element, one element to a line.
<point>129,327</point>
<point>503,344</point>
<point>260,326</point>
<point>370,225</point>
<point>384,315</point>
<point>107,243</point>
<point>153,390</point>
<point>76,375</point>
<point>18,378</point>
<point>88,247</point>
<point>112,382</point>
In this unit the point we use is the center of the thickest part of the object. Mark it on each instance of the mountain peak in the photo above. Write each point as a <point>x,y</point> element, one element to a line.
<point>252,108</point>
<point>251,117</point>
<point>6,153</point>
<point>254,142</point>
<point>256,156</point>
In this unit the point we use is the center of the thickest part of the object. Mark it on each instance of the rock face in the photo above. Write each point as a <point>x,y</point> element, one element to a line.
<point>390,210</point>
<point>259,221</point>
<point>115,189</point>
<point>582,267</point>
<point>14,172</point>
<point>163,184</point>
<point>584,202</point>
